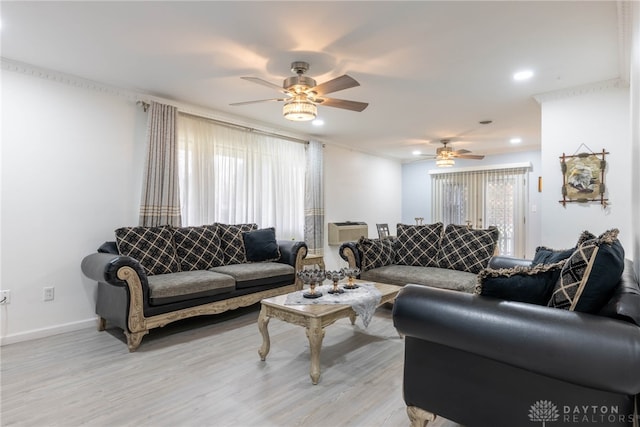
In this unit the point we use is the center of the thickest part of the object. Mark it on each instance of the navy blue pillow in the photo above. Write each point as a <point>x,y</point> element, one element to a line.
<point>546,255</point>
<point>261,245</point>
<point>532,285</point>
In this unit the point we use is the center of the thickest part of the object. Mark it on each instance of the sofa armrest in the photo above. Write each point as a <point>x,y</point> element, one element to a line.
<point>501,261</point>
<point>349,252</point>
<point>103,267</point>
<point>580,348</point>
<point>290,250</point>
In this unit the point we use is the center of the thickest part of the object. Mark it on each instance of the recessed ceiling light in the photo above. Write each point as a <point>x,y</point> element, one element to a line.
<point>317,122</point>
<point>515,140</point>
<point>523,75</point>
<point>416,152</point>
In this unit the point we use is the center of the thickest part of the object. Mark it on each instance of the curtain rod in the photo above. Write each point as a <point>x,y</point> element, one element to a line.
<point>145,106</point>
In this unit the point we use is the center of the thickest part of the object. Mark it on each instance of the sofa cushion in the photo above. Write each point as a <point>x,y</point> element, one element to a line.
<point>257,274</point>
<point>467,249</point>
<point>261,245</point>
<point>590,275</point>
<point>375,252</point>
<point>525,284</point>
<point>152,247</point>
<point>232,241</point>
<point>429,276</point>
<point>418,244</point>
<point>198,248</point>
<point>186,285</point>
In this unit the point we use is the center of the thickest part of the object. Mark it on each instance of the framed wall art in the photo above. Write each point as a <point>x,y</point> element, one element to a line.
<point>583,177</point>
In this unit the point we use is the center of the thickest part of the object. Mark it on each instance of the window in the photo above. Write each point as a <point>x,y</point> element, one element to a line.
<point>233,175</point>
<point>483,198</point>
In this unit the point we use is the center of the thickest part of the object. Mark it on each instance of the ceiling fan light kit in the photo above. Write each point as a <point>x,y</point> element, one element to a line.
<point>445,163</point>
<point>299,110</point>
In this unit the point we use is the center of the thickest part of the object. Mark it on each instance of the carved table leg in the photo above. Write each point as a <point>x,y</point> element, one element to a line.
<point>352,317</point>
<point>263,323</point>
<point>315,333</point>
<point>419,417</point>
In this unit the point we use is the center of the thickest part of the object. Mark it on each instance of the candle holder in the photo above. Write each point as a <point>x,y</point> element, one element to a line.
<point>351,274</point>
<point>335,276</point>
<point>311,278</point>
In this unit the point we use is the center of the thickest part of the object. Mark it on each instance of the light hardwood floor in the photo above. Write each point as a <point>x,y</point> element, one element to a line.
<point>207,372</point>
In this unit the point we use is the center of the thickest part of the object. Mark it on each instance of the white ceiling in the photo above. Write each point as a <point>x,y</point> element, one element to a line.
<point>429,70</point>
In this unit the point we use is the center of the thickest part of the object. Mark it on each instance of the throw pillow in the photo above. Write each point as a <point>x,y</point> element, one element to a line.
<point>418,244</point>
<point>467,249</point>
<point>525,284</point>
<point>198,248</point>
<point>152,246</point>
<point>590,275</point>
<point>375,253</point>
<point>546,255</point>
<point>232,241</point>
<point>261,245</point>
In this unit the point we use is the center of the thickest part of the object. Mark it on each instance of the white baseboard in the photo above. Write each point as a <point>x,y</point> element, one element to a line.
<point>47,332</point>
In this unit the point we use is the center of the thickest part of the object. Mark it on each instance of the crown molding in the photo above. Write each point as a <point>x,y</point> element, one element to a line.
<point>587,89</point>
<point>7,64</point>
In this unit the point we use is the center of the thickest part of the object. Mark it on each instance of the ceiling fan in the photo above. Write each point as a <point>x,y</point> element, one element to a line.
<point>303,95</point>
<point>445,155</point>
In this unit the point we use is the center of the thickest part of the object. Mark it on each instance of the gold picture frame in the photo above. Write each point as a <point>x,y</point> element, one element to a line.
<point>583,178</point>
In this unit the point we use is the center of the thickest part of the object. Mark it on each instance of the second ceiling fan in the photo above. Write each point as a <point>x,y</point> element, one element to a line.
<point>303,94</point>
<point>445,155</point>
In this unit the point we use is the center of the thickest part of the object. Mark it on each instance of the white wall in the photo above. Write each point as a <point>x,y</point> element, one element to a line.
<point>70,176</point>
<point>635,131</point>
<point>359,187</point>
<point>598,118</point>
<point>416,188</point>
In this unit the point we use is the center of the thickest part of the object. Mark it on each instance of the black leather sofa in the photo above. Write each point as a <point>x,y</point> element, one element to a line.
<point>486,362</point>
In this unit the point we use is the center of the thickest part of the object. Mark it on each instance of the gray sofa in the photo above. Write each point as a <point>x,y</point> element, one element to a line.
<point>151,276</point>
<point>432,255</point>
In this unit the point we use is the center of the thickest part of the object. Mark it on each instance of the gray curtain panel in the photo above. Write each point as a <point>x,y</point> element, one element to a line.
<point>160,203</point>
<point>314,200</point>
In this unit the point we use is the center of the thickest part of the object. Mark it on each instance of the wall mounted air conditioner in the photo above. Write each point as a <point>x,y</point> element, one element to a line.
<point>349,231</point>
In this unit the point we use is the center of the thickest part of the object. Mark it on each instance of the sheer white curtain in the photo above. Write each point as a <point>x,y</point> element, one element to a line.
<point>483,198</point>
<point>233,175</point>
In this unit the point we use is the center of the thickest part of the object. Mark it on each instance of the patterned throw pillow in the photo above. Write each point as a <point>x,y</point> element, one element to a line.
<point>198,248</point>
<point>467,249</point>
<point>152,246</point>
<point>590,275</point>
<point>233,243</point>
<point>525,284</point>
<point>418,244</point>
<point>375,253</point>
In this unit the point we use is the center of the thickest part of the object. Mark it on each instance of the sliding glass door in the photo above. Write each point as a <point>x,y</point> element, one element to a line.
<point>484,198</point>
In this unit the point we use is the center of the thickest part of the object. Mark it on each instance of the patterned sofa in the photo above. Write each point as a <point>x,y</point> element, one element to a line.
<point>433,255</point>
<point>151,276</point>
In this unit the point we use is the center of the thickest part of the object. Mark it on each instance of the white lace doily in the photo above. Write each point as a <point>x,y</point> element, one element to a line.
<point>363,300</point>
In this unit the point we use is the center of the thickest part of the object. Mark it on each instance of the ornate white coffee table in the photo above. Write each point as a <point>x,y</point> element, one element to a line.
<point>314,318</point>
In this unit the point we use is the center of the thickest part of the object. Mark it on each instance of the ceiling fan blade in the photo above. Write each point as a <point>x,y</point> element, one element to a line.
<point>462,151</point>
<point>341,103</point>
<point>260,100</point>
<point>470,156</point>
<point>265,83</point>
<point>339,83</point>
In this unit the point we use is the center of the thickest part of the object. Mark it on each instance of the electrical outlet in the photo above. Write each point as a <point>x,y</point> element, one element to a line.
<point>5,297</point>
<point>48,293</point>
